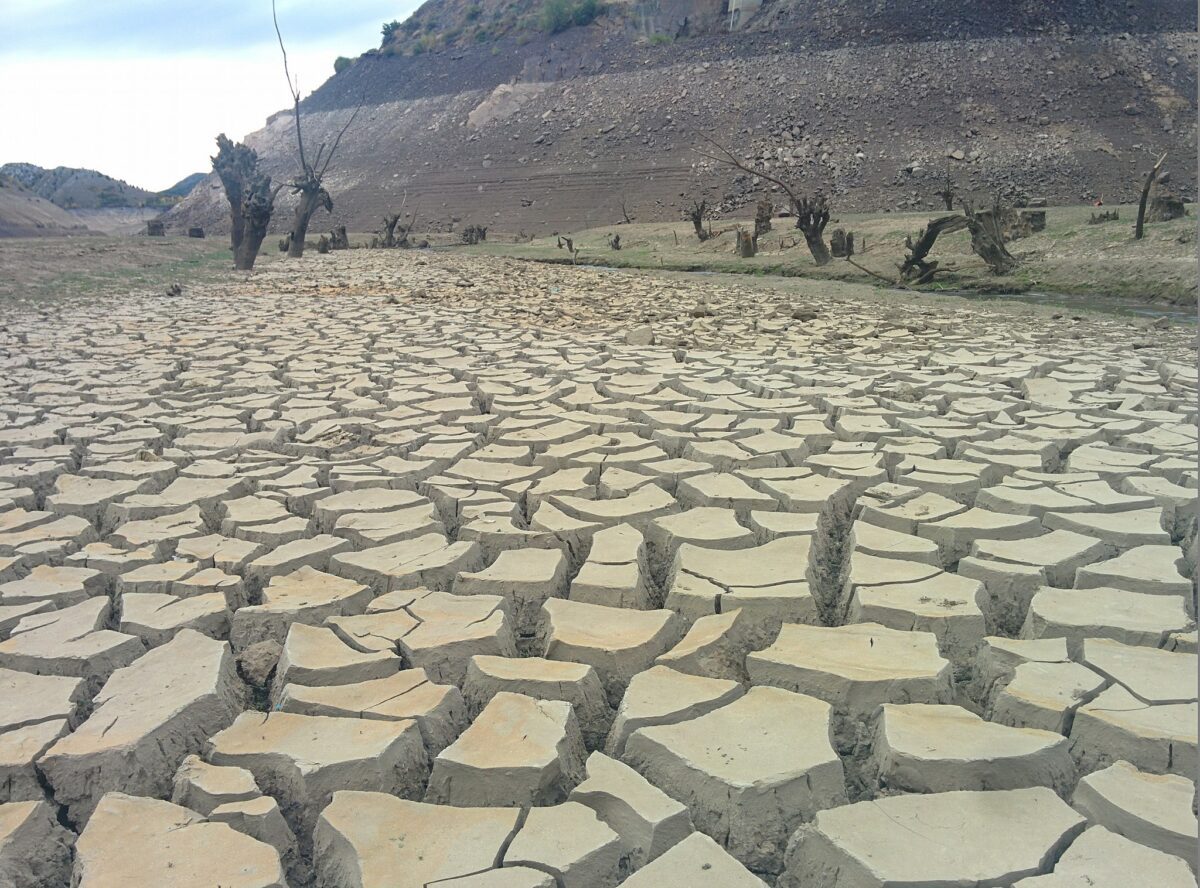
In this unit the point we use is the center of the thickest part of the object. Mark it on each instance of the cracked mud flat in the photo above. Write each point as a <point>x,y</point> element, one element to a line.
<point>431,570</point>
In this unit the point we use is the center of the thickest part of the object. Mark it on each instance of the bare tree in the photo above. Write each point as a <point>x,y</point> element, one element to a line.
<point>1139,226</point>
<point>947,194</point>
<point>628,219</point>
<point>307,185</point>
<point>251,199</point>
<point>812,212</point>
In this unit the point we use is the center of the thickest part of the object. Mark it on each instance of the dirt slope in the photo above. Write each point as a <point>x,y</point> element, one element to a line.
<point>24,214</point>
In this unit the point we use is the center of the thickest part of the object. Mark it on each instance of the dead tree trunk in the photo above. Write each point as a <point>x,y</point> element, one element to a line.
<point>1139,226</point>
<point>389,229</point>
<point>695,214</point>
<point>747,244</point>
<point>763,212</point>
<point>312,197</point>
<point>915,266</point>
<point>812,215</point>
<point>987,238</point>
<point>338,239</point>
<point>258,203</point>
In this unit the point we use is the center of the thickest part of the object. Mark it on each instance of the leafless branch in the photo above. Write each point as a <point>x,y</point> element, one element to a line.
<point>294,89</point>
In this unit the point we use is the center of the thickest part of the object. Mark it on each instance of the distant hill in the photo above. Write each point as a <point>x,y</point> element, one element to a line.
<point>79,189</point>
<point>25,214</point>
<point>184,186</point>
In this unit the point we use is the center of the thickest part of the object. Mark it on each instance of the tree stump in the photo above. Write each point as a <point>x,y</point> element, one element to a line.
<point>747,244</point>
<point>841,243</point>
<point>155,228</point>
<point>1164,205</point>
<point>1036,219</point>
<point>762,216</point>
<point>338,240</point>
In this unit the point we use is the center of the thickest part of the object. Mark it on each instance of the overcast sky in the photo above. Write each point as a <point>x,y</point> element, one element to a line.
<point>139,89</point>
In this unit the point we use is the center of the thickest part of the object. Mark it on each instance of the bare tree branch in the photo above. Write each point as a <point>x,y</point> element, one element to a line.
<point>293,89</point>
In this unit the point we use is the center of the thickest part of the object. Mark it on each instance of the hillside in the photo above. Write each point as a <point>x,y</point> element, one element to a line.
<point>478,114</point>
<point>25,214</point>
<point>72,189</point>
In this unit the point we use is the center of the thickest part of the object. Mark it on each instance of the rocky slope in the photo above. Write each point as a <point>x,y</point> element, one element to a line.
<point>522,130</point>
<point>82,189</point>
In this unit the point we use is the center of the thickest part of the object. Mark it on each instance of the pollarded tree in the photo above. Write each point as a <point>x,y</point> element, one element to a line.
<point>250,195</point>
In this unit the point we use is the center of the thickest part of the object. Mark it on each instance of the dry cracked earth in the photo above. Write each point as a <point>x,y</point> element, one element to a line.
<point>434,579</point>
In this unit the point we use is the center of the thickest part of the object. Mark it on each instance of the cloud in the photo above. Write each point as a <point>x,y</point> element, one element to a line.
<point>153,27</point>
<point>138,89</point>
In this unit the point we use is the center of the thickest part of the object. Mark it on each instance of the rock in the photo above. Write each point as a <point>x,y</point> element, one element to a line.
<point>640,336</point>
<point>256,663</point>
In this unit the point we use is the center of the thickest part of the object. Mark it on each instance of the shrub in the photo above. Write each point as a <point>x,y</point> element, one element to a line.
<point>473,12</point>
<point>660,39</point>
<point>389,30</point>
<point>340,64</point>
<point>558,15</point>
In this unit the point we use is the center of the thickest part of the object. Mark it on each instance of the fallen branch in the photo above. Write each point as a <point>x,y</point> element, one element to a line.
<point>887,281</point>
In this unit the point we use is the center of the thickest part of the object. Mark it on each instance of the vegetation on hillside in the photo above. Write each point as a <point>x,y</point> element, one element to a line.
<point>479,22</point>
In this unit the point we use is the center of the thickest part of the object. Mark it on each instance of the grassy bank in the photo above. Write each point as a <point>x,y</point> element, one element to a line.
<point>1069,256</point>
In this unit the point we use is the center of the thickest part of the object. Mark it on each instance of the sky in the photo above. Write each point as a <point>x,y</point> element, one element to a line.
<point>139,89</point>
